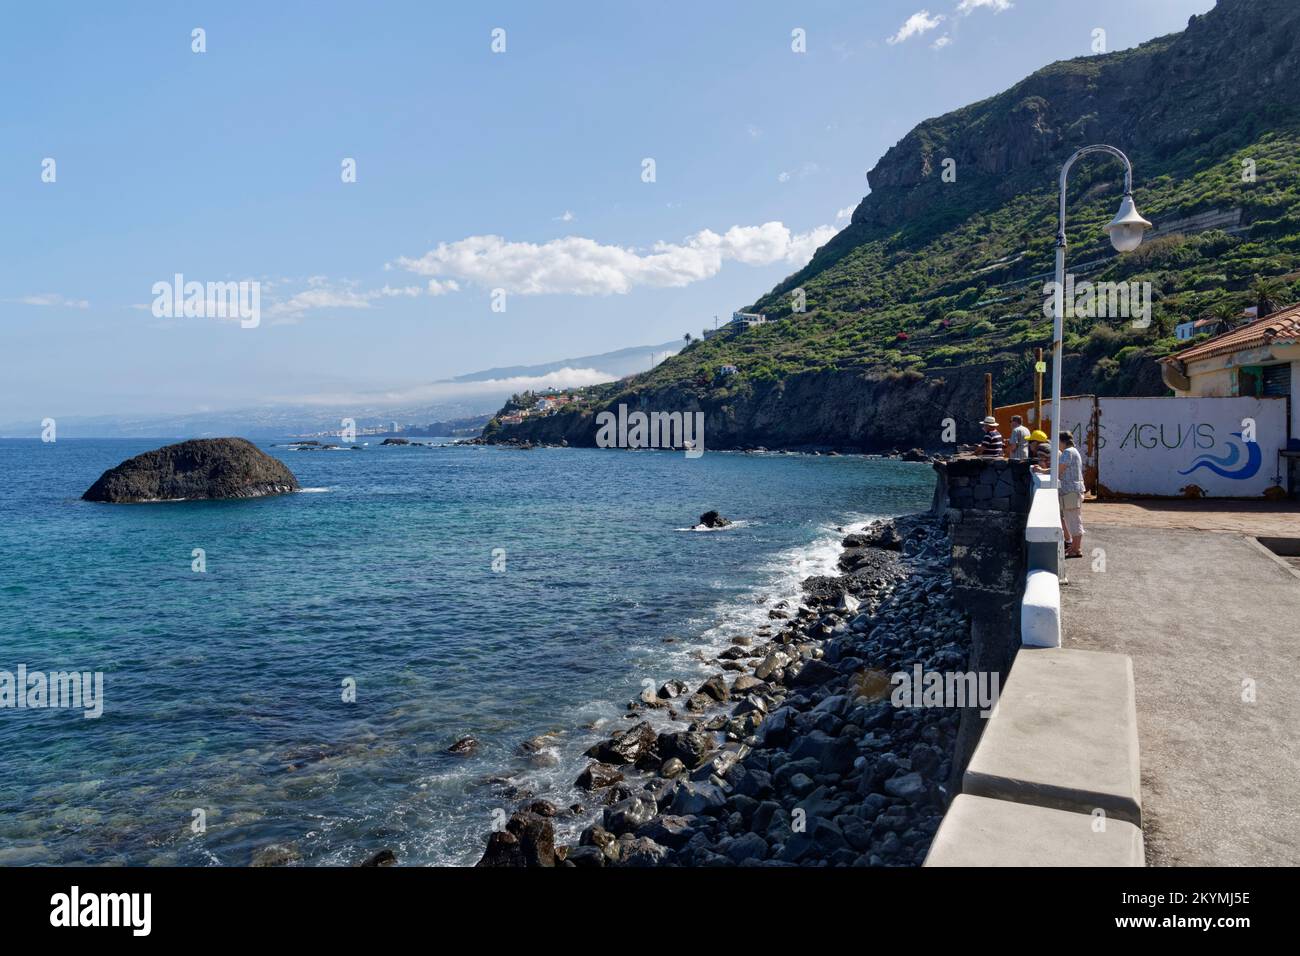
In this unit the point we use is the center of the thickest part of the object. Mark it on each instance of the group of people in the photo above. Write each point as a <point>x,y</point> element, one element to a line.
<point>1024,444</point>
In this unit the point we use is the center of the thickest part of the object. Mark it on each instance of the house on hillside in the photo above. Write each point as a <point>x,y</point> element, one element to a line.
<point>1260,358</point>
<point>1185,331</point>
<point>743,321</point>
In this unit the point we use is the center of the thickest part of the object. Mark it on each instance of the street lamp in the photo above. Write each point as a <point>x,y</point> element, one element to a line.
<point>1126,231</point>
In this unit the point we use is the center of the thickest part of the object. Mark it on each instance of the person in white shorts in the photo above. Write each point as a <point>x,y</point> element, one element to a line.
<point>1018,442</point>
<point>1071,490</point>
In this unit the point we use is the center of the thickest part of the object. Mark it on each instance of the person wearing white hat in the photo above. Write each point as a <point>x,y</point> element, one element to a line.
<point>991,446</point>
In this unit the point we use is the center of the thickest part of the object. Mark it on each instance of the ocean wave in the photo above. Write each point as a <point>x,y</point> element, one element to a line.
<point>726,527</point>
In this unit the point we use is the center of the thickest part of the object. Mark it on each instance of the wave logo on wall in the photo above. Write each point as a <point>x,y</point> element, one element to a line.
<point>1221,465</point>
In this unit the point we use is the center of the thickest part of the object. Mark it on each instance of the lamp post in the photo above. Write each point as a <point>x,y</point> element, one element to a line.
<point>1126,231</point>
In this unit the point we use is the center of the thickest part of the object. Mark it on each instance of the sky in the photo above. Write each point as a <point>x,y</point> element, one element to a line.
<point>623,171</point>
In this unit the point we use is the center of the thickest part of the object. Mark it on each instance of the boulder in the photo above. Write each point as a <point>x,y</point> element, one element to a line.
<point>642,851</point>
<point>630,746</point>
<point>191,470</point>
<point>528,840</point>
<point>688,746</point>
<point>711,519</point>
<point>672,689</point>
<point>631,814</point>
<point>693,798</point>
<point>598,776</point>
<point>463,747</point>
<point>716,688</point>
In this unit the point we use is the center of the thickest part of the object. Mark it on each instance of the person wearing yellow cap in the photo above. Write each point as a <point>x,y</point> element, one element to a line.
<point>1041,451</point>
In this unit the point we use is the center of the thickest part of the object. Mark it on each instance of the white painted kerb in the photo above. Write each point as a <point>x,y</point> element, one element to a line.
<point>1044,523</point>
<point>1040,611</point>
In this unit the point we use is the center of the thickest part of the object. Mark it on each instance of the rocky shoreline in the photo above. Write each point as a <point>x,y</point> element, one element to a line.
<point>792,753</point>
<point>830,451</point>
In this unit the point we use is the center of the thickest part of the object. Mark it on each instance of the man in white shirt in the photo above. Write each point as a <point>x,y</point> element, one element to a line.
<point>1070,486</point>
<point>1018,441</point>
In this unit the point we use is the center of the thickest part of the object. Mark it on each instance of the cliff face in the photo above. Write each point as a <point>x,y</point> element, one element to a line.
<point>933,283</point>
<point>1166,95</point>
<point>851,411</point>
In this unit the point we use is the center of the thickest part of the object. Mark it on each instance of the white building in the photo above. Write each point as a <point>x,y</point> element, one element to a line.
<point>746,320</point>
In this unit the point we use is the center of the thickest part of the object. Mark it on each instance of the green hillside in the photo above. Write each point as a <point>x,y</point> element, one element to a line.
<point>934,279</point>
<point>936,295</point>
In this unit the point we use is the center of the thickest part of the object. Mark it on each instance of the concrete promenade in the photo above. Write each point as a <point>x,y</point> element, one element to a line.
<point>1202,613</point>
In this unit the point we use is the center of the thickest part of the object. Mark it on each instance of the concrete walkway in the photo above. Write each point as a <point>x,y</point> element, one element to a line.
<point>1280,518</point>
<point>1201,612</point>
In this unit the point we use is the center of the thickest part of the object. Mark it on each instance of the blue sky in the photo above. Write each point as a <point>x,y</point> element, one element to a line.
<point>225,165</point>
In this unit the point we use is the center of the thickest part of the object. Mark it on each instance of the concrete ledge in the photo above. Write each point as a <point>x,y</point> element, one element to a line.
<point>978,831</point>
<point>1063,735</point>
<point>1044,522</point>
<point>1040,610</point>
<point>1044,539</point>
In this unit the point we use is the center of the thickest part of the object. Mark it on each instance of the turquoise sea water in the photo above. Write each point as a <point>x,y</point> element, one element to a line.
<point>223,689</point>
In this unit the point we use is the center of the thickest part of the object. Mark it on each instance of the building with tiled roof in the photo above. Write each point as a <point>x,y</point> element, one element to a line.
<point>1260,358</point>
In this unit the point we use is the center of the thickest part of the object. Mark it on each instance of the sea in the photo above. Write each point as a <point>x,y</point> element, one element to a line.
<point>282,677</point>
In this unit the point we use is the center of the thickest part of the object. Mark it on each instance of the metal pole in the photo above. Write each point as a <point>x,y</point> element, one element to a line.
<point>1058,333</point>
<point>1038,389</point>
<point>988,393</point>
<point>1058,300</point>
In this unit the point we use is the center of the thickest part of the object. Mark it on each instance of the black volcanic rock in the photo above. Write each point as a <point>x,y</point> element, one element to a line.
<point>711,519</point>
<point>201,468</point>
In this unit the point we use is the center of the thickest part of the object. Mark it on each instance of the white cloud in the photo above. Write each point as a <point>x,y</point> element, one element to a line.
<point>565,216</point>
<point>321,293</point>
<point>967,7</point>
<point>578,266</point>
<point>845,213</point>
<point>53,299</point>
<point>918,23</point>
<point>783,177</point>
<point>940,43</point>
<point>451,391</point>
<point>442,288</point>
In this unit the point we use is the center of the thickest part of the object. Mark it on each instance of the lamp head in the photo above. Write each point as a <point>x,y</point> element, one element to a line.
<point>1128,227</point>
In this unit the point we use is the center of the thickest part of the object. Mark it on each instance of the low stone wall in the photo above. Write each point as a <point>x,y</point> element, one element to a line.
<point>1032,782</point>
<point>986,502</point>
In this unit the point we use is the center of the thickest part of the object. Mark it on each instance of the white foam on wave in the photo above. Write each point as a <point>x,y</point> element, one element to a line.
<point>313,491</point>
<point>726,527</point>
<point>780,579</point>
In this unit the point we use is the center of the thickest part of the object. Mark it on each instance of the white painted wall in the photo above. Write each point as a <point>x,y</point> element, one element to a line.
<point>1159,446</point>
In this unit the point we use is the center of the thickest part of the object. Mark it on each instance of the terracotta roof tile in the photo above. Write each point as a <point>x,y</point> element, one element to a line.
<point>1281,326</point>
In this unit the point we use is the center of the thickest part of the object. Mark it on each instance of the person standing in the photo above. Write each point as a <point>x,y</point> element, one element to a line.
<point>1040,449</point>
<point>1018,440</point>
<point>991,446</point>
<point>1070,486</point>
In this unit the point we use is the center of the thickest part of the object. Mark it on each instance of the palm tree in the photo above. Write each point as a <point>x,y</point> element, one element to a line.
<point>687,337</point>
<point>1226,314</point>
<point>1267,292</point>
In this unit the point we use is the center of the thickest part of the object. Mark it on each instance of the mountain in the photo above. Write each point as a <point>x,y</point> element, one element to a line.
<point>937,280</point>
<point>456,406</point>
